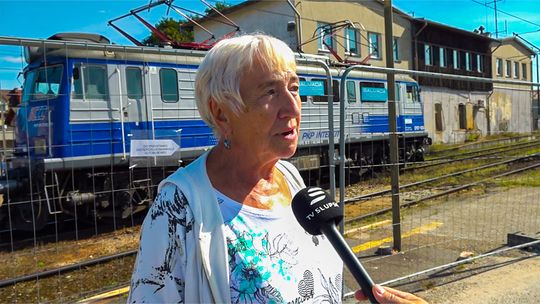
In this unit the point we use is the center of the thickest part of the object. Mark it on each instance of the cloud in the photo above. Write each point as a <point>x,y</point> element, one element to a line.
<point>12,59</point>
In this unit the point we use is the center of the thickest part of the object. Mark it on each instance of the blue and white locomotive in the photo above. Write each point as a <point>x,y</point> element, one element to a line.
<point>99,128</point>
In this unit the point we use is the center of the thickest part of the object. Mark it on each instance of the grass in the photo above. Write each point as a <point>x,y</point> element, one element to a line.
<point>529,178</point>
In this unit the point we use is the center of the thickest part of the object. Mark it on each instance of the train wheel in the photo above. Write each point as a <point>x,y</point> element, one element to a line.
<point>137,200</point>
<point>31,215</point>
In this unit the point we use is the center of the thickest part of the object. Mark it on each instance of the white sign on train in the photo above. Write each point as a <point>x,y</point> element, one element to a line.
<point>156,147</point>
<point>316,136</point>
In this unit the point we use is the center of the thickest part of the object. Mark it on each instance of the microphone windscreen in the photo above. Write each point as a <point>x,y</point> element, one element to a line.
<point>313,208</point>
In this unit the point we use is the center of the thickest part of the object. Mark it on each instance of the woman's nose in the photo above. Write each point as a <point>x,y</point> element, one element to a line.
<point>291,105</point>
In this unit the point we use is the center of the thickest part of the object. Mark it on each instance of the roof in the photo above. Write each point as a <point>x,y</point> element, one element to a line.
<point>454,29</point>
<point>519,42</point>
<point>228,10</point>
<point>242,5</point>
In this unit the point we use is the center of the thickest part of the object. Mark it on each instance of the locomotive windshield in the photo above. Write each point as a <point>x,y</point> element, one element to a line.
<point>42,83</point>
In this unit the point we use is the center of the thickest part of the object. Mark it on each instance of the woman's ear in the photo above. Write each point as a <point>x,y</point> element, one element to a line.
<point>220,116</point>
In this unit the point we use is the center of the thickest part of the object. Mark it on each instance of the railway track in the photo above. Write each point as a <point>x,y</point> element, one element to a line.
<point>420,194</point>
<point>527,162</point>
<point>431,180</point>
<point>472,155</point>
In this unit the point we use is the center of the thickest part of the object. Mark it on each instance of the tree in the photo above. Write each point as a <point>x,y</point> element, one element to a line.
<point>179,31</point>
<point>219,5</point>
<point>174,30</point>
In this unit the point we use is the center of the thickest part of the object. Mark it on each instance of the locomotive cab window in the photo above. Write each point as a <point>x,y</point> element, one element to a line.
<point>91,84</point>
<point>168,79</point>
<point>42,83</point>
<point>413,94</point>
<point>373,92</point>
<point>134,84</point>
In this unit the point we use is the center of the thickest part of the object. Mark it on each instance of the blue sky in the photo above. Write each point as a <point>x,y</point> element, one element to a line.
<point>41,19</point>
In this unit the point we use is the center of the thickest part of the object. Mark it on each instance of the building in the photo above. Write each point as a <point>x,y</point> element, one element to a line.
<point>353,31</point>
<point>512,107</point>
<point>357,28</point>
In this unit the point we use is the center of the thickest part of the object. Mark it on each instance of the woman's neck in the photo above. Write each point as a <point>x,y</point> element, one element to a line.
<point>251,182</point>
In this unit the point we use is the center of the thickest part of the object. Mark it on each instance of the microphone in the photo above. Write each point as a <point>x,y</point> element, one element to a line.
<point>319,214</point>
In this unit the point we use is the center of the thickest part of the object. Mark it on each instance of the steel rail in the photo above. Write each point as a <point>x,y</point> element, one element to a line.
<point>494,151</point>
<point>519,144</point>
<point>443,193</point>
<point>429,180</point>
<point>452,264</point>
<point>490,142</point>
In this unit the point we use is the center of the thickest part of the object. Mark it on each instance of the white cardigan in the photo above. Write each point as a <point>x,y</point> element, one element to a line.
<point>207,267</point>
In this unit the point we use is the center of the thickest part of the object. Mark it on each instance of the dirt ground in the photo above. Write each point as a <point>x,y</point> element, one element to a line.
<point>465,225</point>
<point>473,225</point>
<point>511,282</point>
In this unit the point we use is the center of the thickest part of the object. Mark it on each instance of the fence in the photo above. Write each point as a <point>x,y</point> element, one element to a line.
<point>98,129</point>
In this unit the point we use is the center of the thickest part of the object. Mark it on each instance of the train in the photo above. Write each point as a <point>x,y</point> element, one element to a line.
<point>98,128</point>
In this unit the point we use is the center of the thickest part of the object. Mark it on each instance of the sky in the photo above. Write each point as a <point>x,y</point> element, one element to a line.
<point>43,18</point>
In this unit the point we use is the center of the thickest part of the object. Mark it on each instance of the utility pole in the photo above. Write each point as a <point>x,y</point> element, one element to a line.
<point>496,21</point>
<point>392,124</point>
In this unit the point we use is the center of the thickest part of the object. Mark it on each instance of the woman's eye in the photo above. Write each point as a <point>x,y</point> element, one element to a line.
<point>294,89</point>
<point>271,92</point>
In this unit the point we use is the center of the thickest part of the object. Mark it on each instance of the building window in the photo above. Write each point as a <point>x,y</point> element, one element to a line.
<point>396,49</point>
<point>428,54</point>
<point>168,79</point>
<point>374,45</point>
<point>351,41</point>
<point>499,66</point>
<point>134,83</point>
<point>438,117</point>
<point>455,59</point>
<point>516,70</point>
<point>479,63</point>
<point>508,72</point>
<point>442,57</point>
<point>524,71</point>
<point>462,110</point>
<point>324,31</point>
<point>468,62</point>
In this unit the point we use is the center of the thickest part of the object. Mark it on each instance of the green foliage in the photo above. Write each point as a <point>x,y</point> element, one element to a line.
<point>524,179</point>
<point>219,5</point>
<point>472,137</point>
<point>173,29</point>
<point>179,31</point>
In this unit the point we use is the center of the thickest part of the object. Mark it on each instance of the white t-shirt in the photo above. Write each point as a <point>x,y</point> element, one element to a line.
<point>273,260</point>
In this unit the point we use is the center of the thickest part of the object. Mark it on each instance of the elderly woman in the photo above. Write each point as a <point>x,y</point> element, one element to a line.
<point>222,229</point>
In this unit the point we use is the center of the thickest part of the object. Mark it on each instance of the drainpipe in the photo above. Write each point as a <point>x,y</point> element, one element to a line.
<point>298,21</point>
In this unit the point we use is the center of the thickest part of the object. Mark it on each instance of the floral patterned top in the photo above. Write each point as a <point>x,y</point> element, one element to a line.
<point>273,260</point>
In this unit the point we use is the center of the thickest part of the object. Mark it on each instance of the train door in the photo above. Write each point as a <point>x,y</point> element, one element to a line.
<point>93,111</point>
<point>409,107</point>
<point>133,103</point>
<point>355,122</point>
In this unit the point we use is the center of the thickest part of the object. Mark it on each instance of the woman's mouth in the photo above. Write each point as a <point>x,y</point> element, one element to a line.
<point>289,134</point>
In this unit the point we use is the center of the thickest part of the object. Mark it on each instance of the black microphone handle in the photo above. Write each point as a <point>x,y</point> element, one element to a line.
<point>351,261</point>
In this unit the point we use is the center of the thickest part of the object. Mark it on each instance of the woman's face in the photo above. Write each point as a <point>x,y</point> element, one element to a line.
<point>268,129</point>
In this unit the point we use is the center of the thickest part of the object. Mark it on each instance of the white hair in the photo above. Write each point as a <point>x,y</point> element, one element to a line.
<point>221,71</point>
